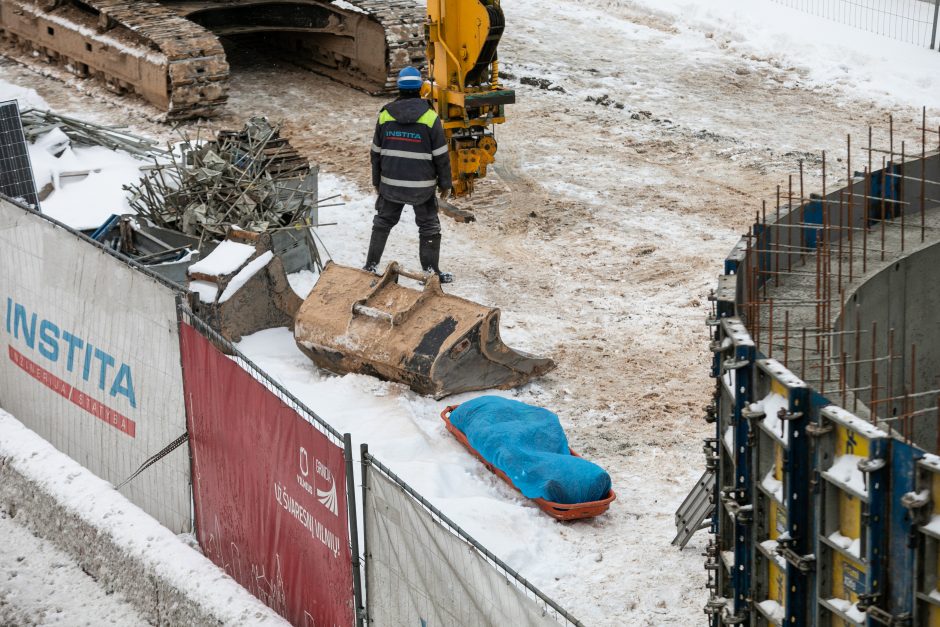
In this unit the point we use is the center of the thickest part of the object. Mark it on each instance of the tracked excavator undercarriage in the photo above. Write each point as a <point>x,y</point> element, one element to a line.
<point>169,52</point>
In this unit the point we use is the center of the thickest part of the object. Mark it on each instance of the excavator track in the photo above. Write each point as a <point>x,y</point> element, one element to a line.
<point>362,43</point>
<point>131,46</point>
<point>169,52</point>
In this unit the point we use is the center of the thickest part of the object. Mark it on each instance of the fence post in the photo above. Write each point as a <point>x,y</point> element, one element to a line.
<point>353,526</point>
<point>364,460</point>
<point>936,13</point>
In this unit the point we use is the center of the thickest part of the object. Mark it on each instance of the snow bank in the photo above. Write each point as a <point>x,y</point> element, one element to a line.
<point>114,540</point>
<point>25,97</point>
<point>827,53</point>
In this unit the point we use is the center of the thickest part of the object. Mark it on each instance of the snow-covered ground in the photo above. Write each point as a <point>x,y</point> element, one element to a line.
<point>599,237</point>
<point>113,564</point>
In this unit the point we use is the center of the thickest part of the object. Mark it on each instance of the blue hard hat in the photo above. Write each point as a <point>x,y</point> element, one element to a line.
<point>409,78</point>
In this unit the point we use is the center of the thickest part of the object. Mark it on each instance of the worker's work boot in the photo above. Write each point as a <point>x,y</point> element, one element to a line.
<point>429,252</point>
<point>376,248</point>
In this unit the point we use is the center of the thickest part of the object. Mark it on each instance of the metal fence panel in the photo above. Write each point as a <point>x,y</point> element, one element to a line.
<point>419,572</point>
<point>90,360</point>
<point>269,490</point>
<point>910,21</point>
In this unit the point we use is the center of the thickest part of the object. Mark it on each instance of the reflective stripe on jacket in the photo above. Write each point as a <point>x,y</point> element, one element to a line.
<point>409,152</point>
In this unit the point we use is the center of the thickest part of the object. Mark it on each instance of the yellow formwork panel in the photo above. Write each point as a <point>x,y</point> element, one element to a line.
<point>776,577</point>
<point>934,619</point>
<point>848,574</point>
<point>850,442</point>
<point>848,577</point>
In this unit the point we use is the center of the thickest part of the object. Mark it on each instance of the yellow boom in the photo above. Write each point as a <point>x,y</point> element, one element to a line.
<point>465,89</point>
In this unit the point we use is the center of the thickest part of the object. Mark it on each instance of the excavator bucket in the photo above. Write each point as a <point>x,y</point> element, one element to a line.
<point>436,343</point>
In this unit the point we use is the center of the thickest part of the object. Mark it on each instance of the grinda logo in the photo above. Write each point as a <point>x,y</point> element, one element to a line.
<point>326,497</point>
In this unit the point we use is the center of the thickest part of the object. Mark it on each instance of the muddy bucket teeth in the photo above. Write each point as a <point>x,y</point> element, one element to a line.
<point>436,343</point>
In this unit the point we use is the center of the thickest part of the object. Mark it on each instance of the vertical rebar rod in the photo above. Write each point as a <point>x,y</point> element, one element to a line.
<point>803,356</point>
<point>889,389</point>
<point>822,368</point>
<point>874,396</point>
<point>923,171</point>
<point>777,243</point>
<point>786,338</point>
<point>770,328</point>
<point>900,195</point>
<point>874,364</point>
<point>857,359</point>
<point>802,217</point>
<point>848,178</point>
<point>818,296</point>
<point>883,214</point>
<point>913,384</point>
<point>790,211</point>
<point>841,237</point>
<point>866,211</point>
<point>842,377</point>
<point>762,247</point>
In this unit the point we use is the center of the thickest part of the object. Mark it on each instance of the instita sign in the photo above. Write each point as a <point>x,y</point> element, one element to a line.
<point>267,484</point>
<point>37,346</point>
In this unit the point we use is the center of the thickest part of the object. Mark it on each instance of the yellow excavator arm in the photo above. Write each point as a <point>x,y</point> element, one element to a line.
<point>462,39</point>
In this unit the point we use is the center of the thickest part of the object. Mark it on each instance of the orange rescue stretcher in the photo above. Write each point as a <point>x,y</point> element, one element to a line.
<point>559,511</point>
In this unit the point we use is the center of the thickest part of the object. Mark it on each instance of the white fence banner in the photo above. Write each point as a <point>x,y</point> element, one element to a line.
<point>90,360</point>
<point>419,572</point>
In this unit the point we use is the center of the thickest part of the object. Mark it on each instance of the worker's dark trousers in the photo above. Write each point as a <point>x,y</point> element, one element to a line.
<point>388,212</point>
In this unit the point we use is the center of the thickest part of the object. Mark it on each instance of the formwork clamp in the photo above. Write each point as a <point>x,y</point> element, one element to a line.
<point>817,430</point>
<point>805,563</point>
<point>711,413</point>
<point>783,414</point>
<point>743,514</point>
<point>866,603</point>
<point>734,364</point>
<point>872,464</point>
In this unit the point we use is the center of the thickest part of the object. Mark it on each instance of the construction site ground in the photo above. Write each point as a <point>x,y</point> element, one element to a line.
<point>640,147</point>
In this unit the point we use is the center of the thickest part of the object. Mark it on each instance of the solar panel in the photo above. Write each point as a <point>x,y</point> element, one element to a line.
<point>16,172</point>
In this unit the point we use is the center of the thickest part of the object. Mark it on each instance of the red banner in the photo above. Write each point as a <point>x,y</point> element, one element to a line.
<point>269,490</point>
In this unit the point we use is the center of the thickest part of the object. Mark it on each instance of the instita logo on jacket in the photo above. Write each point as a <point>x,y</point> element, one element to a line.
<point>407,136</point>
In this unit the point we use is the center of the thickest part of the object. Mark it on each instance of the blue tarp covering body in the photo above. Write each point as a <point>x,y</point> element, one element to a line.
<point>529,445</point>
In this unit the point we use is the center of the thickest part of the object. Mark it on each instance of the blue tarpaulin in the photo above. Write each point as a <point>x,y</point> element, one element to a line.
<point>529,445</point>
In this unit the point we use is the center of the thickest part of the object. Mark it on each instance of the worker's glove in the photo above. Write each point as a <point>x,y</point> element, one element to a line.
<point>444,191</point>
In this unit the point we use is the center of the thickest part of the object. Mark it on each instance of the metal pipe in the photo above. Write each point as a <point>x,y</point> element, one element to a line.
<point>364,476</point>
<point>353,527</point>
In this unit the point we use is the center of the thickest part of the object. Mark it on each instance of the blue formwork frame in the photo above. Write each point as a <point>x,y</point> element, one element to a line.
<point>878,525</point>
<point>735,500</point>
<point>904,534</point>
<point>798,549</point>
<point>743,479</point>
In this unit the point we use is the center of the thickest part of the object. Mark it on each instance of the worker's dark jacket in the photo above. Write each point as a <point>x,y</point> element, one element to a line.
<point>409,152</point>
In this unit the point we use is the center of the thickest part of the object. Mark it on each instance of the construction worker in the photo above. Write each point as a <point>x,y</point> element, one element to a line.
<point>409,160</point>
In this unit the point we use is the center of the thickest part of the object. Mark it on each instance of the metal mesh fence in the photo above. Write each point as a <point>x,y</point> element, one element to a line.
<point>90,359</point>
<point>437,520</point>
<point>911,21</point>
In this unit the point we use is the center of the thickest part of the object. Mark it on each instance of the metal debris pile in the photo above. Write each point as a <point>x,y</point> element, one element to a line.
<point>253,179</point>
<point>37,122</point>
